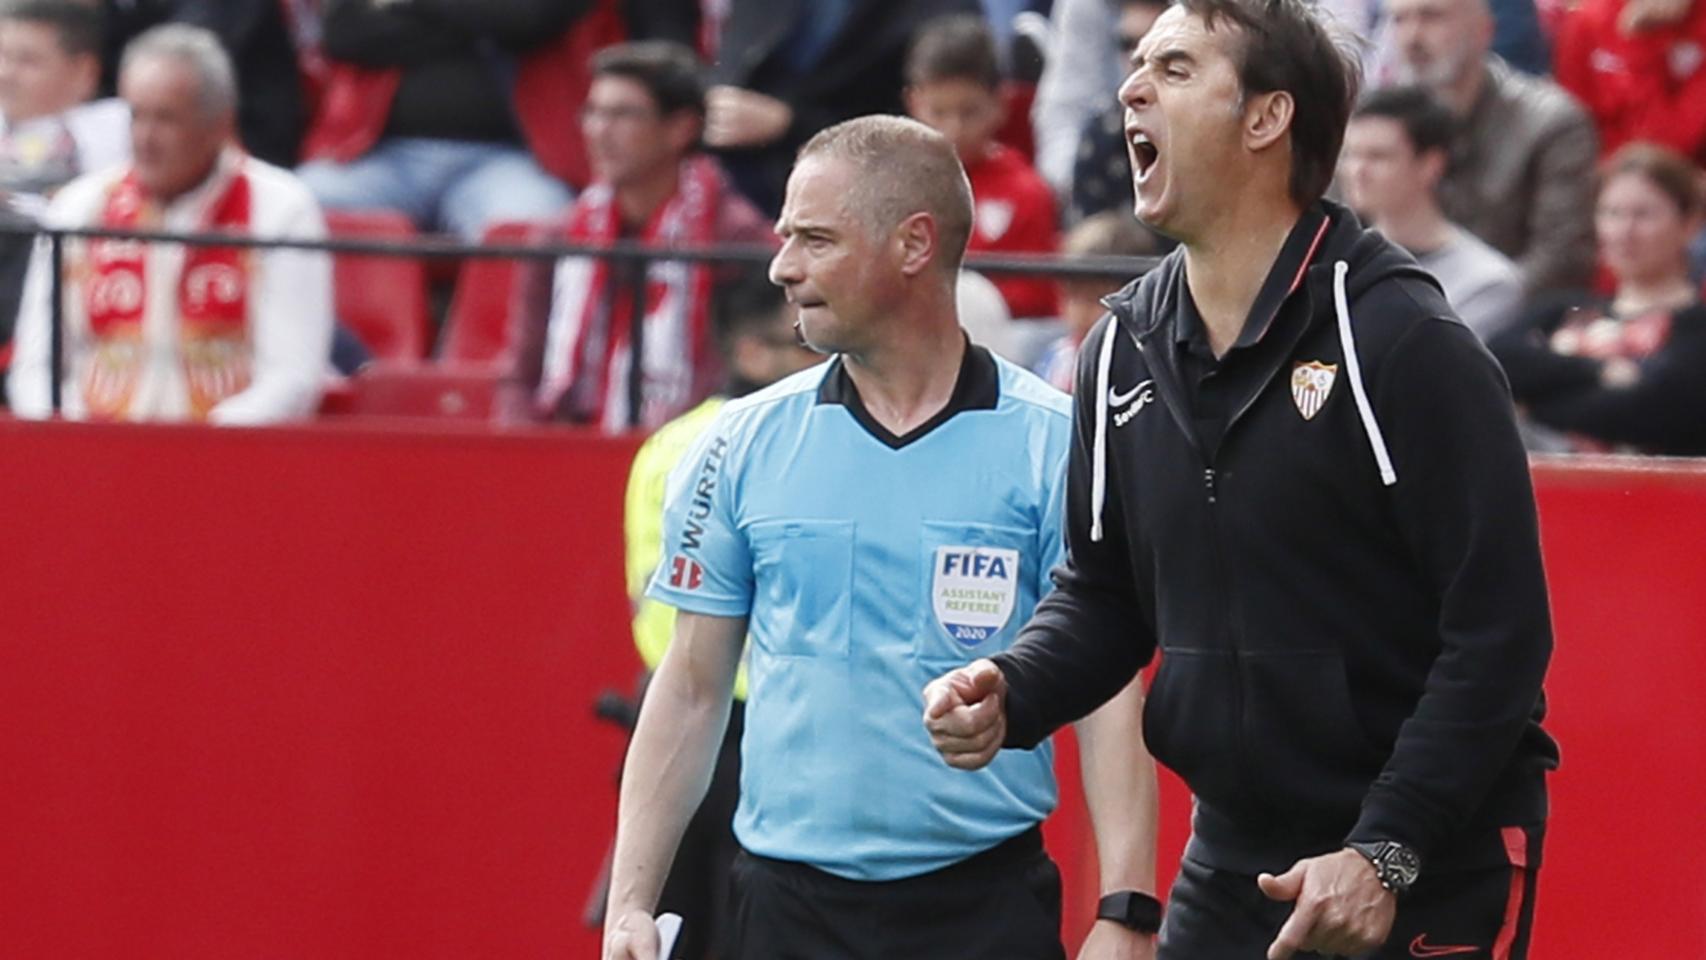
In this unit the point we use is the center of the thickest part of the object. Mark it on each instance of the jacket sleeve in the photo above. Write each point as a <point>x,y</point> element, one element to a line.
<point>1090,636</point>
<point>1464,506</point>
<point>1534,369</point>
<point>1560,226</point>
<point>290,308</point>
<point>1667,405</point>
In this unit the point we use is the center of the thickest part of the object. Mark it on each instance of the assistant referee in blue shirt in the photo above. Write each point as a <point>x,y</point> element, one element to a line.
<point>870,523</point>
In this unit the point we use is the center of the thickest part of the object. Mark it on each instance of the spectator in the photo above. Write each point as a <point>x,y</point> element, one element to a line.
<point>954,86</point>
<point>756,338</point>
<point>642,123</point>
<point>164,332</point>
<point>1396,150</point>
<point>272,111</point>
<point>458,113</point>
<point>789,68</point>
<point>1112,233</point>
<point>1640,67</point>
<point>49,131</point>
<point>1626,373</point>
<point>1101,170</point>
<point>1079,80</point>
<point>1522,175</point>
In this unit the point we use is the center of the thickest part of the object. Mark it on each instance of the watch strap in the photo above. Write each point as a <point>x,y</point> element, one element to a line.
<point>1131,909</point>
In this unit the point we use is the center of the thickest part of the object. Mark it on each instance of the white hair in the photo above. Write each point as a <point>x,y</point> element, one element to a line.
<point>196,48</point>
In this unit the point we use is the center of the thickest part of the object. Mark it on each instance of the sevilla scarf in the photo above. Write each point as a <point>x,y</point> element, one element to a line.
<point>592,312</point>
<point>211,305</point>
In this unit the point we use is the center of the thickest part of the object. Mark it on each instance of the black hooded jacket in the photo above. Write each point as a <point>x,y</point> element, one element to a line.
<point>1346,589</point>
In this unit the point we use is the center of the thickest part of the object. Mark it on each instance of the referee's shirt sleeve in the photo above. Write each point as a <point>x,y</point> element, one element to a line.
<point>705,564</point>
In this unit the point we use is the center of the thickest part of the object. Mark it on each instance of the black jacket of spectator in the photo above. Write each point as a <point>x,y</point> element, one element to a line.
<point>272,112</point>
<point>1663,412</point>
<point>454,54</point>
<point>858,73</point>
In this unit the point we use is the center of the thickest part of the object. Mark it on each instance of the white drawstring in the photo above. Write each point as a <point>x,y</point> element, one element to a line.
<point>1099,456</point>
<point>1353,370</point>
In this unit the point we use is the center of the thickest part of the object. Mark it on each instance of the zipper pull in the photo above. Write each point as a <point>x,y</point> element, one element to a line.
<point>1208,482</point>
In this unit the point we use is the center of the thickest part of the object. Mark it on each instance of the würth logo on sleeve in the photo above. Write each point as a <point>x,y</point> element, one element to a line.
<point>1310,384</point>
<point>685,574</point>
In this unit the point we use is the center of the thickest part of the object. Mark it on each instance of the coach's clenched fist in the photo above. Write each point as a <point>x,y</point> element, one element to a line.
<point>966,714</point>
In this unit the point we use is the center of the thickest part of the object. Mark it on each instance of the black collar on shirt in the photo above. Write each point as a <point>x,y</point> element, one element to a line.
<point>1284,277</point>
<point>978,387</point>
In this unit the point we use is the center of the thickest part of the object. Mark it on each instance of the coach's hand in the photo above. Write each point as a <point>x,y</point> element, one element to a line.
<point>1341,908</point>
<point>966,714</point>
<point>633,936</point>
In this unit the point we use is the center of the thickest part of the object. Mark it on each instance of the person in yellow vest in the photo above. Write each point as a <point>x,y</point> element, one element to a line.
<point>756,334</point>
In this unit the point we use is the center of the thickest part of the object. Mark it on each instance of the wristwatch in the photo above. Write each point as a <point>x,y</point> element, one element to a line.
<point>1131,909</point>
<point>1396,865</point>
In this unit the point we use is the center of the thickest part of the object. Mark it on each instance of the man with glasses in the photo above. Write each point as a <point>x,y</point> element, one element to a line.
<point>642,122</point>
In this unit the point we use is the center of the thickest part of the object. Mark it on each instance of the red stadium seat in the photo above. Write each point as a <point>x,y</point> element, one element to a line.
<point>382,299</point>
<point>456,393</point>
<point>478,328</point>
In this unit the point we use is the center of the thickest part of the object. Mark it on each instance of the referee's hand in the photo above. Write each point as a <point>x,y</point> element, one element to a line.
<point>966,714</point>
<point>633,936</point>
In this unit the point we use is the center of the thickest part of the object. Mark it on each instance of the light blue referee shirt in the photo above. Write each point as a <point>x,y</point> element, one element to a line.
<point>869,564</point>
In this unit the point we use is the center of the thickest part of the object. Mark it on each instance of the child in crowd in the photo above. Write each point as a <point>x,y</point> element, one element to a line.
<point>1111,233</point>
<point>954,85</point>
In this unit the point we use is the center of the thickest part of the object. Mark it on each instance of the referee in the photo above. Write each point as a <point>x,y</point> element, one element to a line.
<point>870,522</point>
<point>1298,473</point>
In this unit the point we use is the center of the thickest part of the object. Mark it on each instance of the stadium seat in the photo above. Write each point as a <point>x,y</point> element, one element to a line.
<point>382,299</point>
<point>478,327</point>
<point>457,393</point>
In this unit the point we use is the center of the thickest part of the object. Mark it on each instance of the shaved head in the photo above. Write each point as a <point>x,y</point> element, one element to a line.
<point>903,168</point>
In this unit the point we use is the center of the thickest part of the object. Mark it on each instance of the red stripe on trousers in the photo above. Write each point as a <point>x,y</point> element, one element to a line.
<point>1516,851</point>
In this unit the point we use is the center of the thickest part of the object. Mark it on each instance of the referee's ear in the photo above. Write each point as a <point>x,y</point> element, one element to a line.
<point>918,240</point>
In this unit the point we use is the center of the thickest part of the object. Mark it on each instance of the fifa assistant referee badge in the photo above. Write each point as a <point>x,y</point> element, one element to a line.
<point>1131,909</point>
<point>1396,865</point>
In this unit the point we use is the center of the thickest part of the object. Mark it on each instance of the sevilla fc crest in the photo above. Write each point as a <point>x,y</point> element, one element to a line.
<point>1310,385</point>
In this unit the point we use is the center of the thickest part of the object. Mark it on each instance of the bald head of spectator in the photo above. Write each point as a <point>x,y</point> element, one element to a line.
<point>50,57</point>
<point>903,173</point>
<point>182,94</point>
<point>1443,45</point>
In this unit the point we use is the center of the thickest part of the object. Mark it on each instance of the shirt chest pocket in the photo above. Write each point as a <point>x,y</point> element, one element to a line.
<point>978,589</point>
<point>804,586</point>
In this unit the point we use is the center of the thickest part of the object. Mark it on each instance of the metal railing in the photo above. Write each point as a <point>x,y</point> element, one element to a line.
<point>442,248</point>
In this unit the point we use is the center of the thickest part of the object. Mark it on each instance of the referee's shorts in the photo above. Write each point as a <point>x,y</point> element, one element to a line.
<point>1482,914</point>
<point>1002,904</point>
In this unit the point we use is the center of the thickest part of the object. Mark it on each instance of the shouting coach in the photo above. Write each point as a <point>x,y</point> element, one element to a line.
<point>1297,473</point>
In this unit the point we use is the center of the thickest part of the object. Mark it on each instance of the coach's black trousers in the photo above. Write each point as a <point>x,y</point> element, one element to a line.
<point>1485,914</point>
<point>1003,904</point>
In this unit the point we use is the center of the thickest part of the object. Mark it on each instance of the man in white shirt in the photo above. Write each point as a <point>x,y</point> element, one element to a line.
<point>172,332</point>
<point>1396,150</point>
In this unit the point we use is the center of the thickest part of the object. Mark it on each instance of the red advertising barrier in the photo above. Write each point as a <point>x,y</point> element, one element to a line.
<point>328,693</point>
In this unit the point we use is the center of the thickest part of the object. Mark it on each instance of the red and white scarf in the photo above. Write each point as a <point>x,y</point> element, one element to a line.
<point>211,304</point>
<point>592,316</point>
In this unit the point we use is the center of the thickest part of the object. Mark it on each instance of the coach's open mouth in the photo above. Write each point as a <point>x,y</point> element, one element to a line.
<point>1144,153</point>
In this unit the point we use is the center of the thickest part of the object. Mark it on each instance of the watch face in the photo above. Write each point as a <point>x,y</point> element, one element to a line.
<point>1403,864</point>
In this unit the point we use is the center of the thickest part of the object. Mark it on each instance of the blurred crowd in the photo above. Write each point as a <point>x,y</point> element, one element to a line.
<point>1540,158</point>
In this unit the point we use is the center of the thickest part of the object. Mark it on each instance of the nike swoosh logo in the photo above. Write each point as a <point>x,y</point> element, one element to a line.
<point>1419,947</point>
<point>1118,399</point>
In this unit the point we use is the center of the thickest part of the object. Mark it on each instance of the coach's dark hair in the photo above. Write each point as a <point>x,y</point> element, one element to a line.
<point>669,71</point>
<point>959,46</point>
<point>79,25</point>
<point>1284,46</point>
<point>1427,122</point>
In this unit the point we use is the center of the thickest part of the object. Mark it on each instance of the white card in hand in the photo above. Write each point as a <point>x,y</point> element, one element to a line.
<point>669,927</point>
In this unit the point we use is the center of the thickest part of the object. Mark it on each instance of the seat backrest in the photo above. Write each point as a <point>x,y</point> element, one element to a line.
<point>439,392</point>
<point>383,299</point>
<point>479,327</point>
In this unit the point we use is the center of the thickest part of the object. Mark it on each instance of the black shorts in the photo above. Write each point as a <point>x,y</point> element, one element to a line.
<point>1003,904</point>
<point>1463,915</point>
